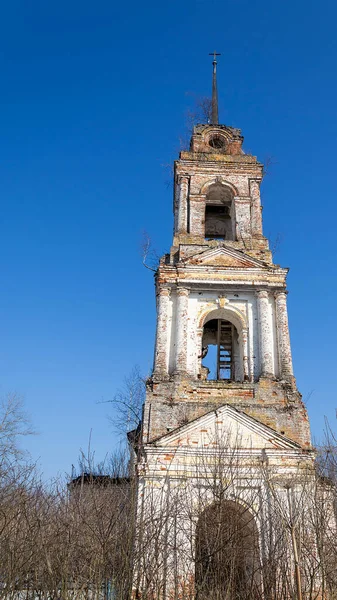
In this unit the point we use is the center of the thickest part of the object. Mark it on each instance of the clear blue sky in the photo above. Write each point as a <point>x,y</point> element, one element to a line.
<point>93,97</point>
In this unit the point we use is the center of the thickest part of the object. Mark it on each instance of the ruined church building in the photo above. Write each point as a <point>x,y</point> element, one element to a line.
<point>222,402</point>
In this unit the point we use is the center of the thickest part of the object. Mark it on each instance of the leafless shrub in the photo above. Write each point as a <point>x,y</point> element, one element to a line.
<point>275,242</point>
<point>268,163</point>
<point>224,524</point>
<point>201,112</point>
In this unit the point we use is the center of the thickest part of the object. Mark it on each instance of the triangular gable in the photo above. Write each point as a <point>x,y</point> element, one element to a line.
<point>228,427</point>
<point>224,257</point>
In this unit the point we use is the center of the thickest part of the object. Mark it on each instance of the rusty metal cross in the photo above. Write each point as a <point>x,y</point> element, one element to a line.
<point>214,54</point>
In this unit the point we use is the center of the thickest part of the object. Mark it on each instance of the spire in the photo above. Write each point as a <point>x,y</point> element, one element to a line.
<point>215,111</point>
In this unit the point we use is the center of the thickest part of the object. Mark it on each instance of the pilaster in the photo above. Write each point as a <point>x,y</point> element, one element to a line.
<point>283,338</point>
<point>256,210</point>
<point>161,351</point>
<point>242,217</point>
<point>182,206</point>
<point>244,338</point>
<point>265,334</point>
<point>181,330</point>
<point>197,214</point>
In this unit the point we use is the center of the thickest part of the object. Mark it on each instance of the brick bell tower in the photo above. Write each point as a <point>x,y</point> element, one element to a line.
<point>222,326</point>
<point>223,422</point>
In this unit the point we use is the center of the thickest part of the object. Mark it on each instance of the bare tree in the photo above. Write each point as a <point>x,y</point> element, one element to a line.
<point>150,256</point>
<point>128,403</point>
<point>217,523</point>
<point>14,425</point>
<point>201,112</point>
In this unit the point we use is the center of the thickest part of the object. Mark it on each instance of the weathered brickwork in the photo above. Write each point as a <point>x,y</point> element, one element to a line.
<point>219,288</point>
<point>276,404</point>
<point>202,167</point>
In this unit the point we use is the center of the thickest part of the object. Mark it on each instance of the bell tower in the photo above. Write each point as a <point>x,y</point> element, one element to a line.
<point>225,438</point>
<point>222,327</point>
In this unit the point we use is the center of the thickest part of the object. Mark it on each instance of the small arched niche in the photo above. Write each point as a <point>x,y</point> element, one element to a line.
<point>227,555</point>
<point>219,213</point>
<point>222,352</point>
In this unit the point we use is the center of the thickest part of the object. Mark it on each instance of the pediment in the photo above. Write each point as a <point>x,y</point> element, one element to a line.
<point>228,427</point>
<point>224,257</point>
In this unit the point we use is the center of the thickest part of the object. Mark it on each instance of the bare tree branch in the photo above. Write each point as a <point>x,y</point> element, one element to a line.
<point>150,257</point>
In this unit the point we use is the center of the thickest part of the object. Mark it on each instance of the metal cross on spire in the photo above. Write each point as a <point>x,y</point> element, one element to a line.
<point>215,111</point>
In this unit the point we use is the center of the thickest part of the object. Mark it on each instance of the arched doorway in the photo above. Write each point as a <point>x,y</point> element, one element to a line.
<point>227,553</point>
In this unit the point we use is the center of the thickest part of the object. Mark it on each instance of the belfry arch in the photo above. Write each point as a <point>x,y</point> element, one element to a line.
<point>224,345</point>
<point>227,554</point>
<point>219,181</point>
<point>219,211</point>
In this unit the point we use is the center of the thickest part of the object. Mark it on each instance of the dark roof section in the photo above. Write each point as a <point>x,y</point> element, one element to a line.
<point>97,480</point>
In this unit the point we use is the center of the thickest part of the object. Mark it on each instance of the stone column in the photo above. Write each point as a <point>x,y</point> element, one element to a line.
<point>244,338</point>
<point>161,352</point>
<point>265,335</point>
<point>283,339</point>
<point>256,208</point>
<point>182,204</point>
<point>181,330</point>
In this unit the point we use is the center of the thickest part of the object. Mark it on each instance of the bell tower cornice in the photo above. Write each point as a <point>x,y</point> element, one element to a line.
<point>218,162</point>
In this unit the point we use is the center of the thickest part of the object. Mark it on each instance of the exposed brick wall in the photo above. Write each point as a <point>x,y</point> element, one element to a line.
<point>273,403</point>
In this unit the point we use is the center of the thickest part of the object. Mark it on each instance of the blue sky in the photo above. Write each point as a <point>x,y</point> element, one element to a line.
<point>93,98</point>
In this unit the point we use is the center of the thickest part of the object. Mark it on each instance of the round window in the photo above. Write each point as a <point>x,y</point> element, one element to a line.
<point>216,141</point>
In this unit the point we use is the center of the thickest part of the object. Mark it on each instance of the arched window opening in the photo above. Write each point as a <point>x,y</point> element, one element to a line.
<point>219,207</point>
<point>227,553</point>
<point>220,348</point>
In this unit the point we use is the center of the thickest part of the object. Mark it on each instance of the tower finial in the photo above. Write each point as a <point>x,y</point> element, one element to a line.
<point>215,111</point>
